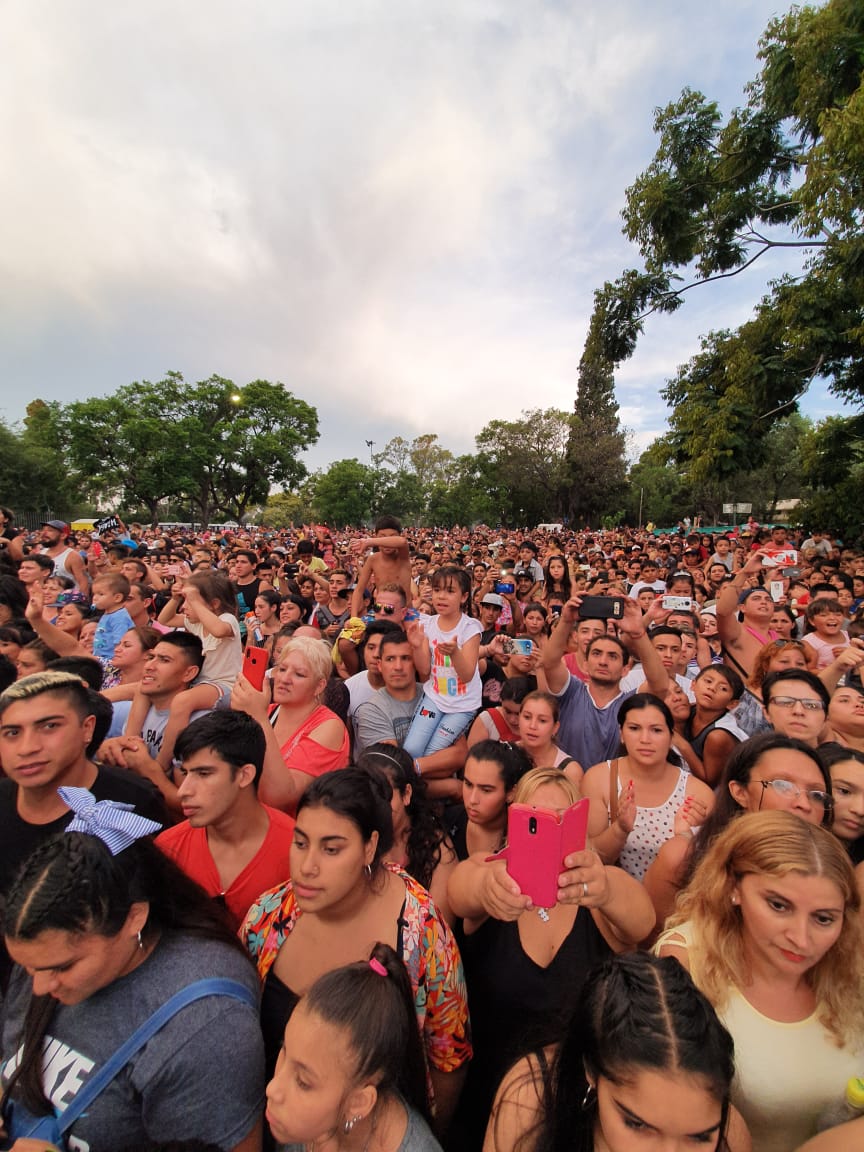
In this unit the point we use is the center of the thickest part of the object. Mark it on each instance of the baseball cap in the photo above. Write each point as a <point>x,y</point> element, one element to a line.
<point>60,525</point>
<point>493,600</point>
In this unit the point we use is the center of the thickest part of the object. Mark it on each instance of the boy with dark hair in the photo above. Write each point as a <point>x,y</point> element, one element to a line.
<point>389,564</point>
<point>110,593</point>
<point>230,843</point>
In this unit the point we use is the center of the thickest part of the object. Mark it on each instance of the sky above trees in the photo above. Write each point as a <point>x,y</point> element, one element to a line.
<point>400,210</point>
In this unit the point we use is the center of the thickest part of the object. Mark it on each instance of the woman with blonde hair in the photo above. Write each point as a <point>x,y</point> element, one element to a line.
<point>304,738</point>
<point>525,966</point>
<point>770,930</point>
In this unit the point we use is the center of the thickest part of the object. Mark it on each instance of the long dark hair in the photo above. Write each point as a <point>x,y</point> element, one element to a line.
<point>72,883</point>
<point>361,797</point>
<point>427,834</point>
<point>380,1017</point>
<point>635,1012</point>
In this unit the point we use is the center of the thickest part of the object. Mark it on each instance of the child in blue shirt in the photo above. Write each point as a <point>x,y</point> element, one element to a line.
<point>110,593</point>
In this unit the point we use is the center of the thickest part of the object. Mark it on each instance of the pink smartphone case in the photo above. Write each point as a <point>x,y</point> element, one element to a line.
<point>537,842</point>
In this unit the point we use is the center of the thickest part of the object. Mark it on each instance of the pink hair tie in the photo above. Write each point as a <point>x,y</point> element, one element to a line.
<point>377,966</point>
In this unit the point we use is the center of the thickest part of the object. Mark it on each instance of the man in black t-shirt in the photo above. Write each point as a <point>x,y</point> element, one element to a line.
<point>10,538</point>
<point>46,725</point>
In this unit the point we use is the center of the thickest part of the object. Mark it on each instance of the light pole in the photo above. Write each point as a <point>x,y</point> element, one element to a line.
<point>370,444</point>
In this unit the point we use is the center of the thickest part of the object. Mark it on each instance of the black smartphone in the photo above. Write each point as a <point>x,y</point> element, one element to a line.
<point>602,608</point>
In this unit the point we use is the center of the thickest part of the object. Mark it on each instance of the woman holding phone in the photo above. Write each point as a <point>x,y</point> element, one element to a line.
<point>526,965</point>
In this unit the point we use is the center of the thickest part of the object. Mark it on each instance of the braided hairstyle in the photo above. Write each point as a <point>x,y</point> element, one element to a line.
<point>636,1012</point>
<point>379,1015</point>
<point>72,883</point>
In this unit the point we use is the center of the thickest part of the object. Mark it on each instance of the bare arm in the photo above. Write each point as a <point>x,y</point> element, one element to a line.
<point>552,656</point>
<point>61,642</point>
<point>78,572</point>
<point>362,583</point>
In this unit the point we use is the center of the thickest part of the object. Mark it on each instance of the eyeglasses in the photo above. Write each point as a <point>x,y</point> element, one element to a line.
<point>386,609</point>
<point>791,701</point>
<point>790,791</point>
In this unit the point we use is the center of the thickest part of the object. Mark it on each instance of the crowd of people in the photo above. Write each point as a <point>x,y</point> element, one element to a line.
<point>266,794</point>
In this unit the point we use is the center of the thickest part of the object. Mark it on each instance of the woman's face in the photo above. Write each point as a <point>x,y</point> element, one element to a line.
<point>510,711</point>
<point>128,651</point>
<point>846,711</point>
<point>782,625</point>
<point>28,662</point>
<point>72,966</point>
<point>787,657</point>
<point>309,1096</point>
<point>708,624</point>
<point>551,798</point>
<point>87,635</point>
<point>294,681</point>
<point>789,922</point>
<point>670,1111</point>
<point>483,792</point>
<point>783,764</point>
<point>10,650</point>
<point>557,569</point>
<point>307,587</point>
<point>847,788</point>
<point>289,613</point>
<point>535,624</point>
<point>69,620</point>
<point>264,610</point>
<point>537,725</point>
<point>328,857</point>
<point>645,735</point>
<point>677,702</point>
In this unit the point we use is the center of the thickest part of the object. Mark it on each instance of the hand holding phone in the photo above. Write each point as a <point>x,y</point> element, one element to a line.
<point>255,662</point>
<point>538,842</point>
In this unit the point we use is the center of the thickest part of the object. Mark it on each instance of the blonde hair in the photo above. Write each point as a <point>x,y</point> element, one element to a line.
<point>775,844</point>
<point>314,652</point>
<point>537,777</point>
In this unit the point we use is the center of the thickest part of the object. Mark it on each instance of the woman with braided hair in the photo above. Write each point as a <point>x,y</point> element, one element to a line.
<point>104,930</point>
<point>644,1063</point>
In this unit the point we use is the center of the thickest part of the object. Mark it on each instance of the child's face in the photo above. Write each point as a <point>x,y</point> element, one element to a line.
<point>104,599</point>
<point>389,532</point>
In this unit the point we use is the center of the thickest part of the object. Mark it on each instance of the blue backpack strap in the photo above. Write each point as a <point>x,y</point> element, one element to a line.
<point>215,986</point>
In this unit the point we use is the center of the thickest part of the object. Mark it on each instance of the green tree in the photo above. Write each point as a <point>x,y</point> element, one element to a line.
<point>596,444</point>
<point>833,465</point>
<point>343,494</point>
<point>524,465</point>
<point>218,446</point>
<point>783,171</point>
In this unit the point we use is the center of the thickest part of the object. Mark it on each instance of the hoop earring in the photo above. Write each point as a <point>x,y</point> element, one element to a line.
<point>589,1099</point>
<point>140,941</point>
<point>349,1124</point>
<point>368,871</point>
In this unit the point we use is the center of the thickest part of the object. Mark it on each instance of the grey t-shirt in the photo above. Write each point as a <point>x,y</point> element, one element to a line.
<point>201,1076</point>
<point>383,718</point>
<point>418,1137</point>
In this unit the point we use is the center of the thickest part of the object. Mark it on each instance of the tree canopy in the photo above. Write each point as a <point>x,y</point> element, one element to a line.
<point>785,170</point>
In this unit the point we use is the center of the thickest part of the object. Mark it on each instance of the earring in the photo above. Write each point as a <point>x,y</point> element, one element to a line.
<point>349,1124</point>
<point>140,941</point>
<point>590,1098</point>
<point>735,900</point>
<point>368,871</point>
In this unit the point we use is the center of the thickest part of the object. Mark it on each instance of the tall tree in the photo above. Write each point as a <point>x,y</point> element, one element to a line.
<point>596,445</point>
<point>343,494</point>
<point>783,171</point>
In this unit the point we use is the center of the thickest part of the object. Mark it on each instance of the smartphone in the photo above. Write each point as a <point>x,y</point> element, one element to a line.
<point>776,589</point>
<point>601,608</point>
<point>505,586</point>
<point>255,662</point>
<point>678,603</point>
<point>523,646</point>
<point>537,842</point>
<point>174,569</point>
<point>555,609</point>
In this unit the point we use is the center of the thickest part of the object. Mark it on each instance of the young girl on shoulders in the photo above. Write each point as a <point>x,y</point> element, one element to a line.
<point>446,648</point>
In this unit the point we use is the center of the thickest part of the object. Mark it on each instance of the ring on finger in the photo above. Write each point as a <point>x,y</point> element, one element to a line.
<point>584,889</point>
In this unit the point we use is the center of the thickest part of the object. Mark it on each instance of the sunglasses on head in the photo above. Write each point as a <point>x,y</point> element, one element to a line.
<point>387,609</point>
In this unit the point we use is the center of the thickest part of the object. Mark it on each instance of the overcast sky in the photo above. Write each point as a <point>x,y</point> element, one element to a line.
<point>398,209</point>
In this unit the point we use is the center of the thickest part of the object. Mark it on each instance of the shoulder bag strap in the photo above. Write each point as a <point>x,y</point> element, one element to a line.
<point>613,792</point>
<point>111,1067</point>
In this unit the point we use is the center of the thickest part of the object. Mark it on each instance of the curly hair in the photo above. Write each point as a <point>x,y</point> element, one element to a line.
<point>762,661</point>
<point>775,844</point>
<point>427,834</point>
